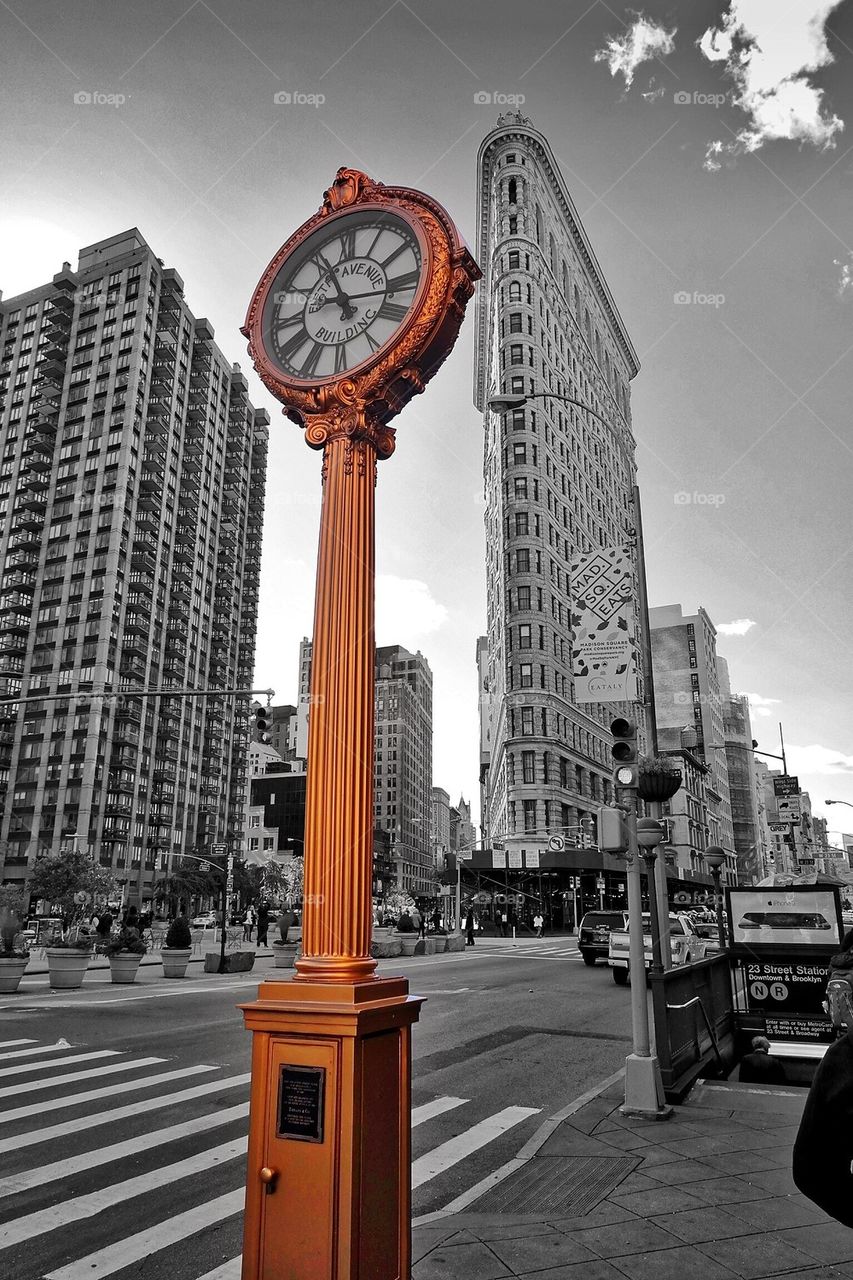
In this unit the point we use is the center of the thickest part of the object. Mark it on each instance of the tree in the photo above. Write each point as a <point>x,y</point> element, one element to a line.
<point>71,881</point>
<point>293,881</point>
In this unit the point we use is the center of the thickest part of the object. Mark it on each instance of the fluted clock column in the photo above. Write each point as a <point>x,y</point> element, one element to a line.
<point>338,886</point>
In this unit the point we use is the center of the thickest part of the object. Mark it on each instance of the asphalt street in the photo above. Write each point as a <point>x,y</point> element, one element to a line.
<point>123,1110</point>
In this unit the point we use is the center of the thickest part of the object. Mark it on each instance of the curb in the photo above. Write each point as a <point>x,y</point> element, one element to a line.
<point>527,1152</point>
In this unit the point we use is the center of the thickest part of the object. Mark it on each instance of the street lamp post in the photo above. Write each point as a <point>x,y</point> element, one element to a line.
<point>650,833</point>
<point>715,857</point>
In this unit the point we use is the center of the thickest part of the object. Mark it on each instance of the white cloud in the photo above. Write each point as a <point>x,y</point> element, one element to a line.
<point>405,611</point>
<point>769,48</point>
<point>738,627</point>
<point>644,40</point>
<point>759,705</point>
<point>816,759</point>
<point>845,275</point>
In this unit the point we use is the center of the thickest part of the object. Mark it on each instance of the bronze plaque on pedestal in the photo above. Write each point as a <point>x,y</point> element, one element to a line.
<point>300,1102</point>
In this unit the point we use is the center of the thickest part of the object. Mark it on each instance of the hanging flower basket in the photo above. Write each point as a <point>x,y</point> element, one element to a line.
<point>658,780</point>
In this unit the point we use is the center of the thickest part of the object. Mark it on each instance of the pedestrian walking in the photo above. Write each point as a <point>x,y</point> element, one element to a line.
<point>435,920</point>
<point>248,923</point>
<point>538,924</point>
<point>469,928</point>
<point>823,1150</point>
<point>104,926</point>
<point>758,1067</point>
<point>504,924</point>
<point>417,921</point>
<point>263,924</point>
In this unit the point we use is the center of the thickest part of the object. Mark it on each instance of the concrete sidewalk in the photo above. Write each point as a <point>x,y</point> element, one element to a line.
<point>706,1195</point>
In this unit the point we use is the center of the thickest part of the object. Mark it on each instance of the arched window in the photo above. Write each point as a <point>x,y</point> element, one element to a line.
<point>511,191</point>
<point>515,291</point>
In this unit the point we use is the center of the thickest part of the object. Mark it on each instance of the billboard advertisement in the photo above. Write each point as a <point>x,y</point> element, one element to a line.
<point>603,619</point>
<point>762,918</point>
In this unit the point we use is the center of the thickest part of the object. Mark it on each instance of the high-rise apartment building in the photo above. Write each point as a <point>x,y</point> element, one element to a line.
<point>746,825</point>
<point>688,697</point>
<point>403,766</point>
<point>559,483</point>
<point>131,502</point>
<point>402,773</point>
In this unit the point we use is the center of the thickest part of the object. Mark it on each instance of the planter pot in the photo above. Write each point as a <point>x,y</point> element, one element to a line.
<point>658,786</point>
<point>175,961</point>
<point>427,947</point>
<point>284,954</point>
<point>66,967</point>
<point>440,941</point>
<point>235,962</point>
<point>123,966</point>
<point>456,942</point>
<point>407,943</point>
<point>11,971</point>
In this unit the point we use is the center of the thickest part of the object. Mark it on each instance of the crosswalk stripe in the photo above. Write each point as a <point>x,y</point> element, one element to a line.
<point>22,1068</point>
<point>55,1216</point>
<point>435,1108</point>
<point>60,1047</point>
<point>7,1044</point>
<point>479,1135</point>
<point>138,1248</point>
<point>62,1080</point>
<point>109,1091</point>
<point>230,1270</point>
<point>91,1159</point>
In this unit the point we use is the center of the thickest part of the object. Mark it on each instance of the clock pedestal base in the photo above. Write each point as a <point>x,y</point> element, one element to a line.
<point>328,1193</point>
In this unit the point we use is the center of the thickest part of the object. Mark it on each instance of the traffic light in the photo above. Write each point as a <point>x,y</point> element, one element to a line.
<point>612,830</point>
<point>262,724</point>
<point>623,752</point>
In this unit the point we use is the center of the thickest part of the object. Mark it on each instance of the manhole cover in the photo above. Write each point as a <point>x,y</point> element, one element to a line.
<point>557,1184</point>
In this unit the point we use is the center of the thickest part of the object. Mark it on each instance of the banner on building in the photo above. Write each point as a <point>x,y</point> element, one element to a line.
<point>603,618</point>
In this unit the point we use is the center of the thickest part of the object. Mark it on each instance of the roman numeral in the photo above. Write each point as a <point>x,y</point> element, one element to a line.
<point>407,281</point>
<point>284,323</point>
<point>401,248</point>
<point>341,357</point>
<point>373,243</point>
<point>374,346</point>
<point>391,311</point>
<point>309,365</point>
<point>289,348</point>
<point>347,245</point>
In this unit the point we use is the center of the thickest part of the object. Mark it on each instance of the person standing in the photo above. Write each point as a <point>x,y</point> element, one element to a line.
<point>504,924</point>
<point>469,928</point>
<point>248,923</point>
<point>538,924</point>
<point>263,924</point>
<point>104,926</point>
<point>823,1149</point>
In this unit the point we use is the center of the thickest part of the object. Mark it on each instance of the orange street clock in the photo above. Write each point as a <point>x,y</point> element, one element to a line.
<point>360,307</point>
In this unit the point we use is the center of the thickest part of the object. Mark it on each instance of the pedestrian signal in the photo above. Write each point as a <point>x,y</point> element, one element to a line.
<point>612,830</point>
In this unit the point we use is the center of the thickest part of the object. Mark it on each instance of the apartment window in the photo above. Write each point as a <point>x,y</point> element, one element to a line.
<point>515,322</point>
<point>528,766</point>
<point>514,260</point>
<point>529,815</point>
<point>519,452</point>
<point>525,640</point>
<point>520,486</point>
<point>522,560</point>
<point>521,522</point>
<point>527,722</point>
<point>523,597</point>
<point>525,675</point>
<point>516,353</point>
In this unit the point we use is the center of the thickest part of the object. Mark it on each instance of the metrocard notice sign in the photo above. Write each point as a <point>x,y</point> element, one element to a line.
<point>604,647</point>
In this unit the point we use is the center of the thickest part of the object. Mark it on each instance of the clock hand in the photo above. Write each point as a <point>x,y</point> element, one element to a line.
<point>342,298</point>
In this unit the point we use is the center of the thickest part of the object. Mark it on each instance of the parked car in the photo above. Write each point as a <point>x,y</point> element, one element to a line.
<point>685,944</point>
<point>207,920</point>
<point>710,935</point>
<point>594,933</point>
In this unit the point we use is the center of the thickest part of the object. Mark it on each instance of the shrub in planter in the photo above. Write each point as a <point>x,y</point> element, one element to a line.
<point>177,948</point>
<point>125,952</point>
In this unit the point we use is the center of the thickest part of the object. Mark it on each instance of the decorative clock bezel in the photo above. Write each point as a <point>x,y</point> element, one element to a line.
<point>361,401</point>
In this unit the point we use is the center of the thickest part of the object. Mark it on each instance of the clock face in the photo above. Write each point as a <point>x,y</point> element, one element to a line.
<point>342,295</point>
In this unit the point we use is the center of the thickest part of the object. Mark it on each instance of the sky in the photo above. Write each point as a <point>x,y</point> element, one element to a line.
<point>709,150</point>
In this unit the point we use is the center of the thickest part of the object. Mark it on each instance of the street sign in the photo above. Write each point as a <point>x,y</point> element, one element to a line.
<point>465,855</point>
<point>805,862</point>
<point>786,785</point>
<point>599,884</point>
<point>219,850</point>
<point>556,844</point>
